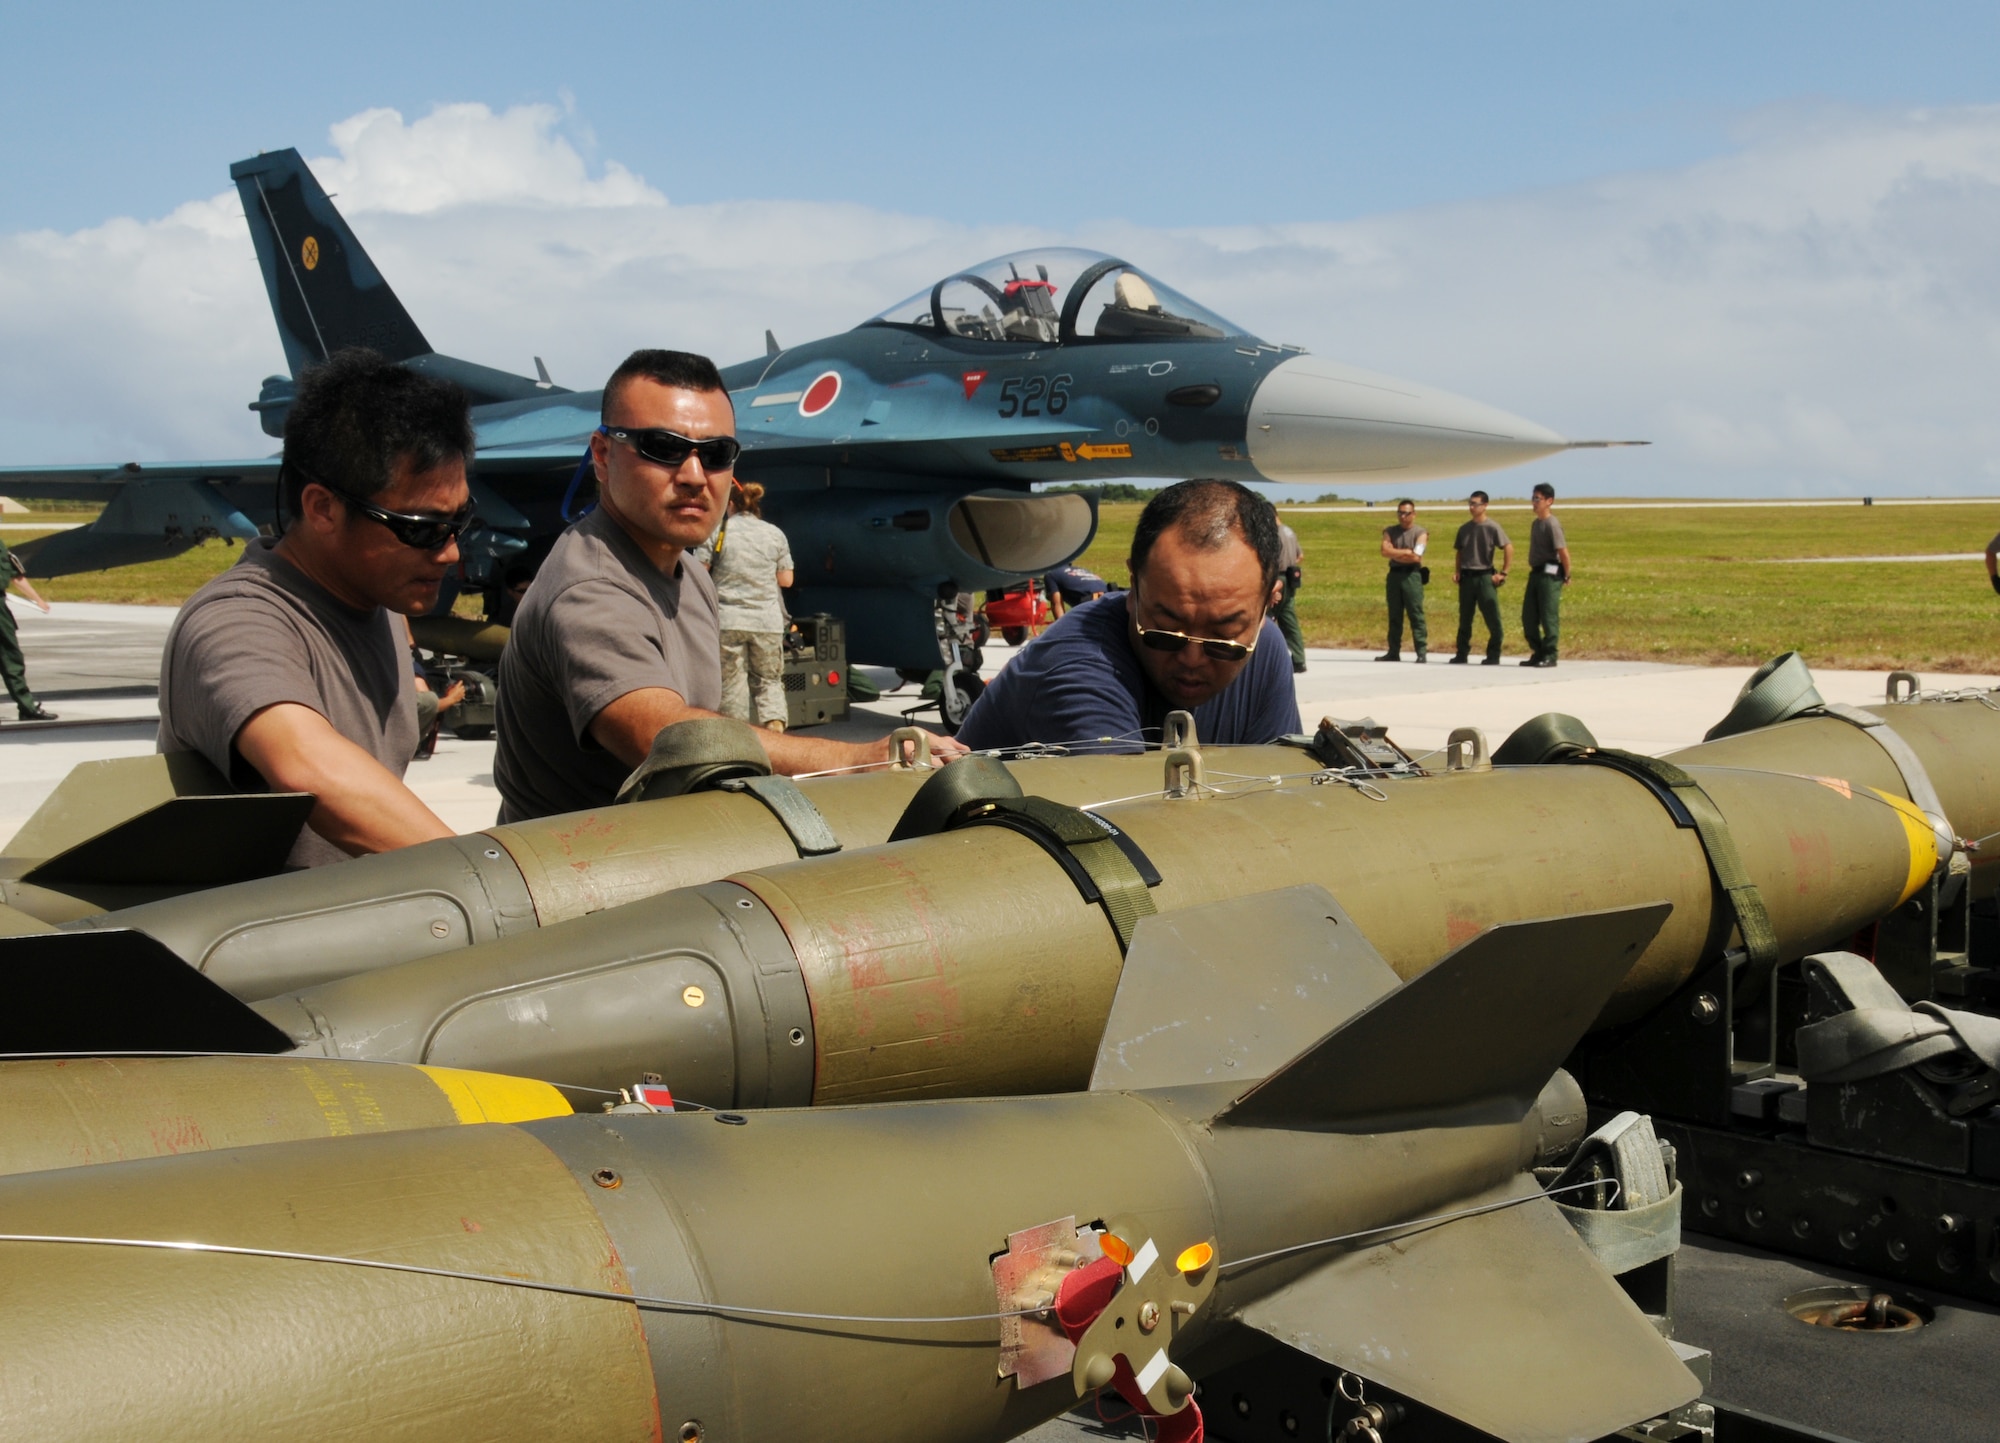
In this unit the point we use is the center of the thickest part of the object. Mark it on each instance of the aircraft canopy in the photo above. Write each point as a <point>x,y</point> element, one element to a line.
<point>1056,296</point>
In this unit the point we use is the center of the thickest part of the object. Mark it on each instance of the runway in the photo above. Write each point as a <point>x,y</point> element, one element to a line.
<point>99,668</point>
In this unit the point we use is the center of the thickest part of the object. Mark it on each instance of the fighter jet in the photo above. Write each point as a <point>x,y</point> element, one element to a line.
<point>900,457</point>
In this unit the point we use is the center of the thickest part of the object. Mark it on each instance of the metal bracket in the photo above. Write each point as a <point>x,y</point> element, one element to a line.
<point>1155,1299</point>
<point>1034,1348</point>
<point>910,749</point>
<point>1182,750</point>
<point>1465,751</point>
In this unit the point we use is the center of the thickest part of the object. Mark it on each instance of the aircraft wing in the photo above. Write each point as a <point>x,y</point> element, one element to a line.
<point>95,481</point>
<point>150,512</point>
<point>154,512</point>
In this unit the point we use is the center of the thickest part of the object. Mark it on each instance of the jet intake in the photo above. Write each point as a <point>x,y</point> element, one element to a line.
<point>1023,534</point>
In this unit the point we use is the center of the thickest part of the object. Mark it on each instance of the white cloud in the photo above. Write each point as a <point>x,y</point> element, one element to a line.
<point>1818,311</point>
<point>465,155</point>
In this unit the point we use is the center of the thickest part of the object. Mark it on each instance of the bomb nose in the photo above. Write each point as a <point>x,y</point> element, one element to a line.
<point>1316,420</point>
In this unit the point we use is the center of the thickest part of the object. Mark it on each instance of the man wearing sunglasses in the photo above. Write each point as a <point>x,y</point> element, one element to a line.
<point>288,671</point>
<point>1193,634</point>
<point>618,636</point>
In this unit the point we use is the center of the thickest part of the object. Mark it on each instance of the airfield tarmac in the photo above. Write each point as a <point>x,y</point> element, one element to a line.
<point>98,666</point>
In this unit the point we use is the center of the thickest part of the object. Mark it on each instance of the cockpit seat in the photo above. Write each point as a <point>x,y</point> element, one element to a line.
<point>1134,313</point>
<point>1133,294</point>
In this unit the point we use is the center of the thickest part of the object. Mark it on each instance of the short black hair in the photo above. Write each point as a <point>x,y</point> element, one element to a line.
<point>1542,488</point>
<point>1207,512</point>
<point>357,414</point>
<point>1406,501</point>
<point>1479,496</point>
<point>683,370</point>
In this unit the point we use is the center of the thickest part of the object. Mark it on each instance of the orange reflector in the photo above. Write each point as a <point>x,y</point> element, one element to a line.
<point>1194,1259</point>
<point>1115,1248</point>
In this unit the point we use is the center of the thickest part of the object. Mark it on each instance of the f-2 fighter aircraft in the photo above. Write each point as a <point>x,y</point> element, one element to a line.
<point>900,457</point>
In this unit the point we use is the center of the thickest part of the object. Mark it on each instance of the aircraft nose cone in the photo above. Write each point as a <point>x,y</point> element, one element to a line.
<point>1315,420</point>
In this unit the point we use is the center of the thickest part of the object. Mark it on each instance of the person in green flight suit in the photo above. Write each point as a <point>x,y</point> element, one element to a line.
<point>14,666</point>
<point>1548,574</point>
<point>1478,579</point>
<point>1291,573</point>
<point>1403,547</point>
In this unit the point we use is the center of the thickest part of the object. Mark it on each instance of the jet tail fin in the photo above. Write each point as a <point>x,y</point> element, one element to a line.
<point>1502,1320</point>
<point>119,991</point>
<point>325,292</point>
<point>327,295</point>
<point>1494,1019</point>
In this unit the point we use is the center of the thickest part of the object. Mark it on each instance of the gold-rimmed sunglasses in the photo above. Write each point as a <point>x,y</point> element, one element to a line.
<point>1156,639</point>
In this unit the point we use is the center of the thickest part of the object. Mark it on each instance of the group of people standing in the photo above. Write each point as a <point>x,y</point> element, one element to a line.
<point>1480,544</point>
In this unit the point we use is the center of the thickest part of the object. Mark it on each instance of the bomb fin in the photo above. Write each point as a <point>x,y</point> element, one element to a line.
<point>118,990</point>
<point>1180,1019</point>
<point>1503,1320</point>
<point>1472,1039</point>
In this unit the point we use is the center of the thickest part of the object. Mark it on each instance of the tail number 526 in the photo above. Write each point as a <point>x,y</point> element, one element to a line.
<point>1028,395</point>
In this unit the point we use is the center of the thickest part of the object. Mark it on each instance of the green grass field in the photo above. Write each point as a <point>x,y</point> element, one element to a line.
<point>1695,585</point>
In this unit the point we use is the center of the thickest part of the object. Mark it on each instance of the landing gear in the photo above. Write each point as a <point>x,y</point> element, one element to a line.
<point>957,692</point>
<point>958,636</point>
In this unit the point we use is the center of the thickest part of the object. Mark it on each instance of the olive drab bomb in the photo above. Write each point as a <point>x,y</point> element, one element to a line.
<point>639,1274</point>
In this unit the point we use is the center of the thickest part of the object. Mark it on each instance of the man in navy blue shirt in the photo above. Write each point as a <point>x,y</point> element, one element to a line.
<point>1193,634</point>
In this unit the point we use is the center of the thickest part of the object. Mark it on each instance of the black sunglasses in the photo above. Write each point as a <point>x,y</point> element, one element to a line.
<point>671,449</point>
<point>1220,650</point>
<point>422,533</point>
<point>419,532</point>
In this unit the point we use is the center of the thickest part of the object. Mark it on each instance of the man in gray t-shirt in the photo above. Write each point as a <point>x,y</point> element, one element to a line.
<point>1479,541</point>
<point>599,621</point>
<point>288,671</point>
<point>265,634</point>
<point>1548,574</point>
<point>1403,548</point>
<point>617,637</point>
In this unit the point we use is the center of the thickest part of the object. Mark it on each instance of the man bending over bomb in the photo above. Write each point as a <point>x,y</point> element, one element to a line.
<point>1193,634</point>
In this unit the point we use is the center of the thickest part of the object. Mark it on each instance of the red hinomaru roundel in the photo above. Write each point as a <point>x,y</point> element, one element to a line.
<point>823,392</point>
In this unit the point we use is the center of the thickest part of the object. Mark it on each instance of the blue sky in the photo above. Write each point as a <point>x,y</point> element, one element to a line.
<point>1163,113</point>
<point>1766,237</point>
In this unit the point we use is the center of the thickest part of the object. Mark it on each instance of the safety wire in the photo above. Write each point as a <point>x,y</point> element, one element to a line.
<point>728,1310</point>
<point>1964,693</point>
<point>1026,751</point>
<point>1239,784</point>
